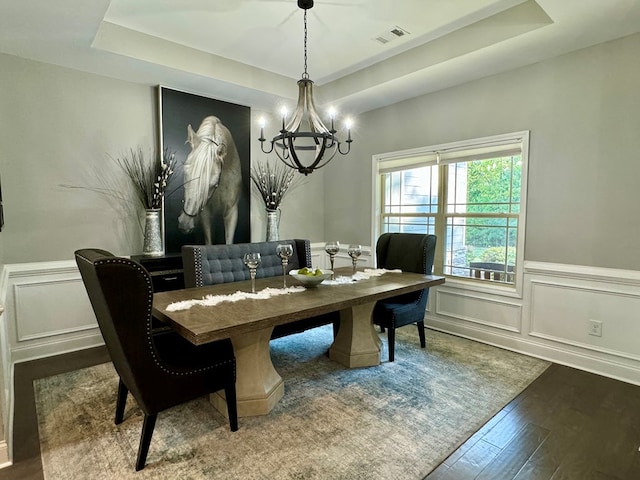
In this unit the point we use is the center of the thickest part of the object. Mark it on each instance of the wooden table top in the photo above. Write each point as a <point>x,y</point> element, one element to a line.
<point>203,324</point>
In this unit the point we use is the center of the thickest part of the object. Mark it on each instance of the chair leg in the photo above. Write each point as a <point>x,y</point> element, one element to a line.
<point>391,340</point>
<point>145,440</point>
<point>423,341</point>
<point>121,401</point>
<point>232,406</point>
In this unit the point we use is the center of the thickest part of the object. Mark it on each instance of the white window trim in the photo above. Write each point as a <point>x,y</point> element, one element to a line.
<point>427,155</point>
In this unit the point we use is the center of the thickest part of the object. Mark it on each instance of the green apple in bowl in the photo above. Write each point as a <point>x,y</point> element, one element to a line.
<point>311,277</point>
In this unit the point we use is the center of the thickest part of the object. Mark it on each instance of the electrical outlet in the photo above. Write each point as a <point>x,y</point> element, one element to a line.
<point>595,328</point>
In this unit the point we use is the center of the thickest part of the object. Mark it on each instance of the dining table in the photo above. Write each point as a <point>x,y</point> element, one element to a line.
<point>249,321</point>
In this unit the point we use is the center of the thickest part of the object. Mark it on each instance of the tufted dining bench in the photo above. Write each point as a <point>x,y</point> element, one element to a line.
<point>214,264</point>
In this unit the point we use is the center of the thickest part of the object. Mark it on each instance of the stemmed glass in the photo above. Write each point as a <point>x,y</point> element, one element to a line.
<point>354,252</point>
<point>252,260</point>
<point>284,251</point>
<point>332,248</point>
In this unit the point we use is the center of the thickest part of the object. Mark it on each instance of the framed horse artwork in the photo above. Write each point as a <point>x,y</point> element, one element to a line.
<point>209,200</point>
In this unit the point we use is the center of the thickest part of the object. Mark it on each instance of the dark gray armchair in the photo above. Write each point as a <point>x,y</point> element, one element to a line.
<point>409,252</point>
<point>160,369</point>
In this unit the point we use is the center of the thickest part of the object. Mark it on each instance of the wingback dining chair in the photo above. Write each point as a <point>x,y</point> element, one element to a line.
<point>409,252</point>
<point>160,369</point>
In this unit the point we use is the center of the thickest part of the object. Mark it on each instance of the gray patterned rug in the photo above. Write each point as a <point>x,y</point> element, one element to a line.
<point>395,421</point>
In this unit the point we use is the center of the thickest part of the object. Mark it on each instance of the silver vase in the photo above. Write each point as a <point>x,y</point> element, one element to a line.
<point>153,244</point>
<point>273,221</point>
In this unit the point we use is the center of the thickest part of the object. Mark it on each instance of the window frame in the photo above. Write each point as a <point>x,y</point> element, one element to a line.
<point>431,155</point>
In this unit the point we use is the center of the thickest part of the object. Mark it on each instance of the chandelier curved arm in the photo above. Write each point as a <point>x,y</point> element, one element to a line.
<point>348,142</point>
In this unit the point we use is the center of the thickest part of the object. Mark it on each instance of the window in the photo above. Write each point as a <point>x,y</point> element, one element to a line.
<point>470,194</point>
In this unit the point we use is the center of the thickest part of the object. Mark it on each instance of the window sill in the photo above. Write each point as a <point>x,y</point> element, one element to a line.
<point>510,291</point>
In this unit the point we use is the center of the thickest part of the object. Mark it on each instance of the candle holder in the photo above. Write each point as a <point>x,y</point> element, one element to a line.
<point>252,260</point>
<point>332,248</point>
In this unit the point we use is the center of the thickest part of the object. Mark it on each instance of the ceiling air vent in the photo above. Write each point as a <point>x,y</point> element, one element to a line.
<point>391,34</point>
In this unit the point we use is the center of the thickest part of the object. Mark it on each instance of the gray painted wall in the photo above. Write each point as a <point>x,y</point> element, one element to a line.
<point>59,126</point>
<point>583,112</point>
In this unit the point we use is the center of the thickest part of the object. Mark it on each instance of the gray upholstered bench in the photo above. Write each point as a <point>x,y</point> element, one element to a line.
<point>213,264</point>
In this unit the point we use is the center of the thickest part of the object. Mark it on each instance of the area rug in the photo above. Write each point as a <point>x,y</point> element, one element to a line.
<point>395,421</point>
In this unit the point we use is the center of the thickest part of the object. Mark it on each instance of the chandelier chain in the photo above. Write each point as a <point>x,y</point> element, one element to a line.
<point>305,74</point>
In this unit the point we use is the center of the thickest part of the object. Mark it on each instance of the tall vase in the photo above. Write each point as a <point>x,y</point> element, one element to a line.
<point>153,244</point>
<point>273,220</point>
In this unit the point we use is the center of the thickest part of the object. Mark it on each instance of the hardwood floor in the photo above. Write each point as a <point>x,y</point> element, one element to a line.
<point>26,444</point>
<point>568,424</point>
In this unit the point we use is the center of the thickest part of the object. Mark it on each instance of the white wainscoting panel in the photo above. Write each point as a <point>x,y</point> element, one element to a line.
<point>482,309</point>
<point>561,312</point>
<point>48,311</point>
<point>43,312</point>
<point>557,304</point>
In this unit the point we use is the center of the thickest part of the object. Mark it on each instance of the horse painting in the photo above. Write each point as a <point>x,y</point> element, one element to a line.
<point>212,180</point>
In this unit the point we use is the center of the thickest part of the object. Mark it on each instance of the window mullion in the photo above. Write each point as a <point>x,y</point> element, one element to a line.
<point>440,220</point>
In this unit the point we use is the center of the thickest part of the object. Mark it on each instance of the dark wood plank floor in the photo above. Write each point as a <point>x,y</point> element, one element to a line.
<point>568,424</point>
<point>26,444</point>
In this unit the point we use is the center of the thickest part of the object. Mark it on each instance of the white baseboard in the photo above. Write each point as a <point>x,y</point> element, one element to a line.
<point>4,455</point>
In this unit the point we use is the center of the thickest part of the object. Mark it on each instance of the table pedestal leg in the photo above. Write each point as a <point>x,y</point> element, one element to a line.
<point>357,344</point>
<point>258,385</point>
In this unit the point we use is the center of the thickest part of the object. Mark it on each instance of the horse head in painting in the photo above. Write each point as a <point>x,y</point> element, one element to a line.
<point>212,180</point>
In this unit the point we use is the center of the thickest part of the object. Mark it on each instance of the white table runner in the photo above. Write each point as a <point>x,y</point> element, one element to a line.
<point>212,300</point>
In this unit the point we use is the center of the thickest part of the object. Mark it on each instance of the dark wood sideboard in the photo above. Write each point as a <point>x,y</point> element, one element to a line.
<point>166,271</point>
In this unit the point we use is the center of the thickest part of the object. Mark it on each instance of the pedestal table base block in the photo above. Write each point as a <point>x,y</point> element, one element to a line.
<point>357,344</point>
<point>258,386</point>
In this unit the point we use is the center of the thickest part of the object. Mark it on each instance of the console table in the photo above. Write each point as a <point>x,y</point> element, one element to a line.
<point>166,271</point>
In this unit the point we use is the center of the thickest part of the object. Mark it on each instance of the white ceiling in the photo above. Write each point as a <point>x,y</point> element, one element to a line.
<point>250,51</point>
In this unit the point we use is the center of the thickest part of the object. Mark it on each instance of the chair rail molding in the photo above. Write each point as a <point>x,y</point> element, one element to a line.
<point>553,319</point>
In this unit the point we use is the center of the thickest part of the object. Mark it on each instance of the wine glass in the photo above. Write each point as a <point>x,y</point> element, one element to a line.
<point>284,251</point>
<point>354,252</point>
<point>252,260</point>
<point>332,248</point>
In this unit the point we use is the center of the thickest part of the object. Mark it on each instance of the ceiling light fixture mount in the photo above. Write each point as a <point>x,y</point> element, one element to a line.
<point>309,150</point>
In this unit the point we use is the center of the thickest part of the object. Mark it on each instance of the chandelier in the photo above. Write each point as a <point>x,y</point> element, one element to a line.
<point>308,150</point>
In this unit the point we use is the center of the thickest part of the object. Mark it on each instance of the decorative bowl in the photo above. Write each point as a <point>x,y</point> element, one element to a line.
<point>311,280</point>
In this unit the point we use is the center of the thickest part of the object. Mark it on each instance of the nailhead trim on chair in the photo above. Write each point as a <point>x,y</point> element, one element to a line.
<point>157,361</point>
<point>307,247</point>
<point>198,266</point>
